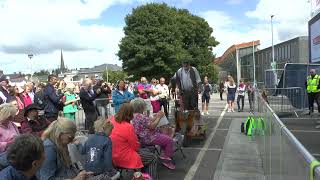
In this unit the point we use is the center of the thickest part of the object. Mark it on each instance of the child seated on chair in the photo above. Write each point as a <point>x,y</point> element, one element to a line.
<point>98,151</point>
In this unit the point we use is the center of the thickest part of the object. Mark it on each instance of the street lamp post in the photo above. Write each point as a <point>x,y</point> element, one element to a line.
<point>30,56</point>
<point>273,64</point>
<point>254,66</point>
<point>107,73</point>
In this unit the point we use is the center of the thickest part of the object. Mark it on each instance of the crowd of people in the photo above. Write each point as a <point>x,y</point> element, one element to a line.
<point>46,113</point>
<point>233,90</point>
<point>44,116</point>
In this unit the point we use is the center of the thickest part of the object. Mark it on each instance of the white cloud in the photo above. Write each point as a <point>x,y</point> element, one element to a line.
<point>289,22</point>
<point>290,16</point>
<point>226,30</point>
<point>43,27</point>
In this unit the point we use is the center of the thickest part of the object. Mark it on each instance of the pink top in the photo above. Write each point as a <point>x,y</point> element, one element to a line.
<point>7,133</point>
<point>125,146</point>
<point>27,99</point>
<point>142,87</point>
<point>20,103</point>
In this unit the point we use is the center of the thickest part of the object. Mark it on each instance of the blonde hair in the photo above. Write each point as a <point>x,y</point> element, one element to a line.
<point>53,133</point>
<point>231,80</point>
<point>101,125</point>
<point>7,110</point>
<point>70,87</point>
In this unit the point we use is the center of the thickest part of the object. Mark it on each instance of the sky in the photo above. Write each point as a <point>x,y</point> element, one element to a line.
<point>89,31</point>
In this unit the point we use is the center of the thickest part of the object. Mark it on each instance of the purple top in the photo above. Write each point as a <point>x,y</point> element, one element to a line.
<point>141,124</point>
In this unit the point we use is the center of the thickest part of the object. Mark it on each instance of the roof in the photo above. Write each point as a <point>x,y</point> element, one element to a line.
<point>233,48</point>
<point>100,68</point>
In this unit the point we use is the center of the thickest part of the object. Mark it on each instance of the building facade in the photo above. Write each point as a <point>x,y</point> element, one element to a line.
<point>292,51</point>
<point>229,61</point>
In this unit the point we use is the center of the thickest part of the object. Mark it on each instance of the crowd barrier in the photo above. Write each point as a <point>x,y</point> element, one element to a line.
<point>106,110</point>
<point>290,99</point>
<point>283,156</point>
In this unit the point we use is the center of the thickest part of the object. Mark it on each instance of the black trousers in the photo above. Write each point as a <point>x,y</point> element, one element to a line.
<point>242,101</point>
<point>311,98</point>
<point>91,117</point>
<point>164,103</point>
<point>221,93</point>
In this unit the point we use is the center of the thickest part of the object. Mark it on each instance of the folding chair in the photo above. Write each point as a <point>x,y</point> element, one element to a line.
<point>178,139</point>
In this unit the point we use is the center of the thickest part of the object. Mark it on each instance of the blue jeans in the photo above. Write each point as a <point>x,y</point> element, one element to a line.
<point>3,160</point>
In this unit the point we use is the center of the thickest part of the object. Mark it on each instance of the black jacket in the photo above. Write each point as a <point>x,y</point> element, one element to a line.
<point>51,100</point>
<point>86,100</point>
<point>39,99</point>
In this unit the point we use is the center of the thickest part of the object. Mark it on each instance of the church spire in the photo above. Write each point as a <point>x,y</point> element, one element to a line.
<point>62,67</point>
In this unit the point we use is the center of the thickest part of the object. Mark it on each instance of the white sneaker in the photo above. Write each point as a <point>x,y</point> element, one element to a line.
<point>232,110</point>
<point>208,113</point>
<point>202,113</point>
<point>229,110</point>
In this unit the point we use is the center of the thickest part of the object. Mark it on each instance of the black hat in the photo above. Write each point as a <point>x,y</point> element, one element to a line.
<point>31,107</point>
<point>3,78</point>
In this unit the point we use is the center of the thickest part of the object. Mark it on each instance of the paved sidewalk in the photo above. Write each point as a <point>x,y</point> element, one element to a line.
<point>239,159</point>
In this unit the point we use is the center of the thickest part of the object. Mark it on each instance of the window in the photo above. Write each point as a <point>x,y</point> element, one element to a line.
<point>289,51</point>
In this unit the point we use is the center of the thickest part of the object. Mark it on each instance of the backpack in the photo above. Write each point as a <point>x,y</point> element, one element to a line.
<point>249,126</point>
<point>260,126</point>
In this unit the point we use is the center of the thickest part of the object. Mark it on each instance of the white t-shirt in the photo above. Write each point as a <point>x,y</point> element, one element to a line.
<point>241,91</point>
<point>156,97</point>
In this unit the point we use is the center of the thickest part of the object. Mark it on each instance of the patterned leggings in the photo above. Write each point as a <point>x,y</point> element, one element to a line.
<point>150,162</point>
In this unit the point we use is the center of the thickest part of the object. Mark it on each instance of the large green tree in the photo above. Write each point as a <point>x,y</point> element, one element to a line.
<point>158,38</point>
<point>114,76</point>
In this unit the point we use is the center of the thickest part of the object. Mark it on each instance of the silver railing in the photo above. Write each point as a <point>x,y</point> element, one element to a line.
<point>283,156</point>
<point>289,99</point>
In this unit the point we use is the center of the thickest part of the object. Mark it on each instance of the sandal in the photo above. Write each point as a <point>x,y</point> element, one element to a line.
<point>163,157</point>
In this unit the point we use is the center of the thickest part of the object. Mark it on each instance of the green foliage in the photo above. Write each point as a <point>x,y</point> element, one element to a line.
<point>41,73</point>
<point>158,38</point>
<point>114,76</point>
<point>211,71</point>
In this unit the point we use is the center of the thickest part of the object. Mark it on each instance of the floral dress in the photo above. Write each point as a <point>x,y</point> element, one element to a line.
<point>141,125</point>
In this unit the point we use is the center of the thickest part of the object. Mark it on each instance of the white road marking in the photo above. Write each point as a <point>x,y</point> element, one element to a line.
<point>192,171</point>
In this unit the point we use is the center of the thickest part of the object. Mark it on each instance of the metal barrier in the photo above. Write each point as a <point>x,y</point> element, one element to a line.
<point>80,119</point>
<point>283,156</point>
<point>105,109</point>
<point>286,99</point>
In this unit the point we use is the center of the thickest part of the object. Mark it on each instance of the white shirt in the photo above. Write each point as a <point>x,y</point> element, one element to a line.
<point>241,91</point>
<point>3,97</point>
<point>152,97</point>
<point>164,90</point>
